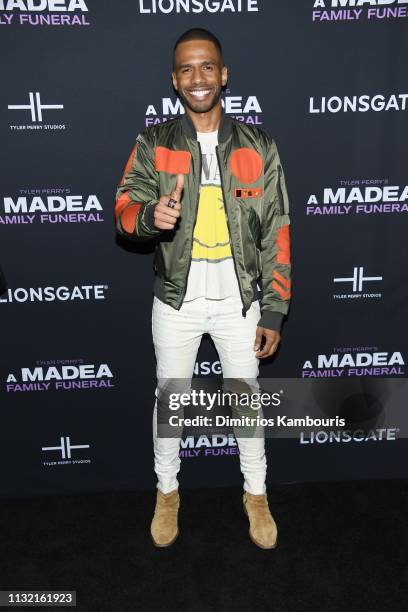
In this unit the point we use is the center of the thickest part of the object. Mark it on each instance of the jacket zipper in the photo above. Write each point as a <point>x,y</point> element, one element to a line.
<point>229,231</point>
<point>280,194</point>
<point>194,224</point>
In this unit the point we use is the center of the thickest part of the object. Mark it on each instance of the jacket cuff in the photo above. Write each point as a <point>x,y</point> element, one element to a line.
<point>148,217</point>
<point>271,320</point>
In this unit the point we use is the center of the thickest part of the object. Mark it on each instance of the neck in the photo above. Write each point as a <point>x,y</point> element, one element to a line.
<point>206,122</point>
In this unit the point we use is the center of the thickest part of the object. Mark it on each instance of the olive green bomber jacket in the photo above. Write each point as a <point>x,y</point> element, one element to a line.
<point>255,199</point>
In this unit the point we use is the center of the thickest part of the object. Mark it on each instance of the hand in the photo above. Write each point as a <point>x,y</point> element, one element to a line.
<point>271,343</point>
<point>165,218</point>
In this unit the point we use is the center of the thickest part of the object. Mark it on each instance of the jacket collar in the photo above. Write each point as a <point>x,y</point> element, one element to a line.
<point>224,130</point>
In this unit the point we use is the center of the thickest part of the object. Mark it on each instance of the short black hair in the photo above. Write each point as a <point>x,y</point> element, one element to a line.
<point>198,34</point>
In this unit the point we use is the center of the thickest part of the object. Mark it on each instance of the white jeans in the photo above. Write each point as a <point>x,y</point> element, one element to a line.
<point>176,337</point>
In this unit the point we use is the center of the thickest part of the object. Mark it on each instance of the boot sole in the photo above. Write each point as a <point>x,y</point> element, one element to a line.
<point>258,543</point>
<point>168,543</point>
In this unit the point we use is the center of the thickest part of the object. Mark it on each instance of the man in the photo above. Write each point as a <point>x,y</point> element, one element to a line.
<point>212,192</point>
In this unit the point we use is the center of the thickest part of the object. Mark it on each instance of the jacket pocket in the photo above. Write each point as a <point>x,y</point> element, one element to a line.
<point>255,229</point>
<point>282,195</point>
<point>258,262</point>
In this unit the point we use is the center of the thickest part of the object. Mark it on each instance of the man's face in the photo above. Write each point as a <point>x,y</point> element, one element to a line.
<point>198,75</point>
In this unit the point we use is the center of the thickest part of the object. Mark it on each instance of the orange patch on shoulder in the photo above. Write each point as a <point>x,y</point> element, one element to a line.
<point>283,242</point>
<point>246,165</point>
<point>173,162</point>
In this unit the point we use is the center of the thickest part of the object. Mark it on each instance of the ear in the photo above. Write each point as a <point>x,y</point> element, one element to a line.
<point>174,80</point>
<point>224,75</point>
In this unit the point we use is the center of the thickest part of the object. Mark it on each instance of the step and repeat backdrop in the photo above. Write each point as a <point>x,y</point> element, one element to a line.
<point>81,78</point>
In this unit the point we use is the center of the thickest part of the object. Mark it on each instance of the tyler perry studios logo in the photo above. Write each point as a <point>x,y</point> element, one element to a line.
<point>61,375</point>
<point>76,293</point>
<point>358,10</point>
<point>357,285</point>
<point>43,12</point>
<point>50,206</point>
<point>65,452</point>
<point>197,6</point>
<point>37,113</point>
<point>355,361</point>
<point>242,108</point>
<point>360,197</point>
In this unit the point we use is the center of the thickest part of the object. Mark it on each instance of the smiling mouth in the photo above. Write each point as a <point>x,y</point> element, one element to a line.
<point>199,94</point>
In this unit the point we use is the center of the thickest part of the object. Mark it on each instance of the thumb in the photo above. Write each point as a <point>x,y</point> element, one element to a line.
<point>258,338</point>
<point>179,187</point>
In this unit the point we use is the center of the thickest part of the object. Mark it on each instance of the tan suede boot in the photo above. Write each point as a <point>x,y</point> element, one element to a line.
<point>164,527</point>
<point>262,530</point>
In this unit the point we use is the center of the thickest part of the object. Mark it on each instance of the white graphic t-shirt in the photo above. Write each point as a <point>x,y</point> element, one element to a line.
<point>212,272</point>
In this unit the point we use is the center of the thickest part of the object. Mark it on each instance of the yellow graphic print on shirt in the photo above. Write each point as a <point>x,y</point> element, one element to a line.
<point>211,238</point>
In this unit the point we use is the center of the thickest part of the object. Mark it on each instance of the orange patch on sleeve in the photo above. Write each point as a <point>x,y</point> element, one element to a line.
<point>173,162</point>
<point>246,165</point>
<point>128,218</point>
<point>129,213</point>
<point>284,294</point>
<point>283,242</point>
<point>129,162</point>
<point>121,203</point>
<point>281,279</point>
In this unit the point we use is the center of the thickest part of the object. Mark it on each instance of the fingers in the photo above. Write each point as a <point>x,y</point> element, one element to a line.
<point>163,225</point>
<point>163,207</point>
<point>165,217</point>
<point>176,193</point>
<point>272,339</point>
<point>258,338</point>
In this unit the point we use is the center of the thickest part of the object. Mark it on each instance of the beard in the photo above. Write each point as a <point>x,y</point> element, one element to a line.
<point>198,106</point>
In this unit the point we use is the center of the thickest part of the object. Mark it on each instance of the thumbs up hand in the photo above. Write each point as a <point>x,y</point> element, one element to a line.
<point>168,208</point>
